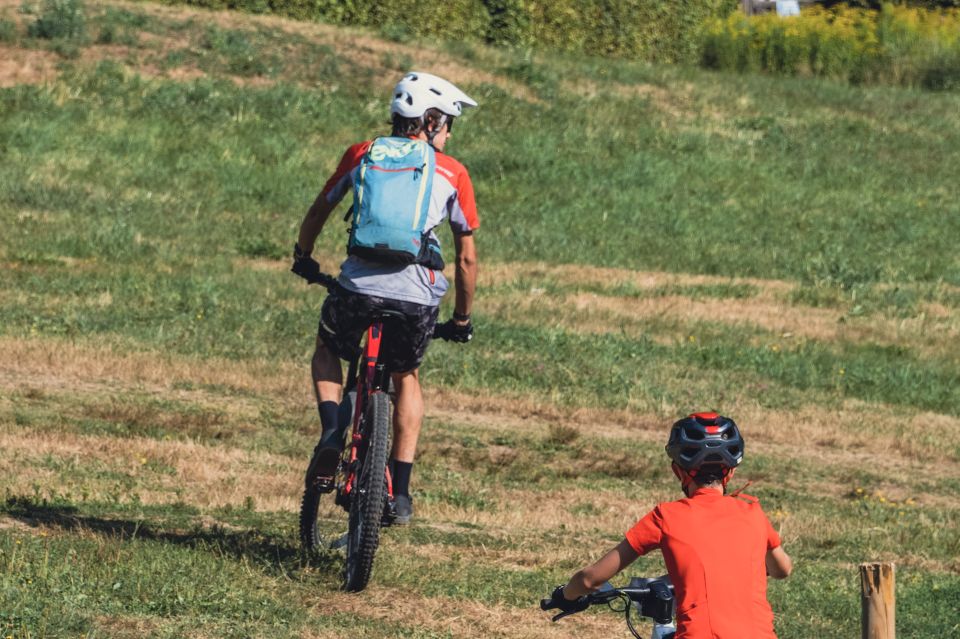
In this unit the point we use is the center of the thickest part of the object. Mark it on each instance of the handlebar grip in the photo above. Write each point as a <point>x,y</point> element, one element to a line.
<point>327,281</point>
<point>545,604</point>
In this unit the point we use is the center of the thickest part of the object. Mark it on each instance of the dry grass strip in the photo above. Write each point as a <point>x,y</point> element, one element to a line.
<point>206,476</point>
<point>932,331</point>
<point>26,66</point>
<point>895,439</point>
<point>462,618</point>
<point>363,49</point>
<point>928,333</point>
<point>126,626</point>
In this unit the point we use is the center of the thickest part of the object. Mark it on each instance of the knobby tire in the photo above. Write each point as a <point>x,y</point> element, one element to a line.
<point>367,504</point>
<point>310,539</point>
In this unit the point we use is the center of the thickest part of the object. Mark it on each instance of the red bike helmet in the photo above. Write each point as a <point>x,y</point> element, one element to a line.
<point>705,439</point>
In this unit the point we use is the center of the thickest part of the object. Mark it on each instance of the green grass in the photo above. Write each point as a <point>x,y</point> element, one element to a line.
<point>154,217</point>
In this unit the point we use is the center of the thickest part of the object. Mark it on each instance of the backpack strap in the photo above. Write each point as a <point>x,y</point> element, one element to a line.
<point>363,161</point>
<point>428,155</point>
<point>750,499</point>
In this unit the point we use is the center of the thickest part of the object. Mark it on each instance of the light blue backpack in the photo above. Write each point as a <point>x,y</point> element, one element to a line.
<point>391,197</point>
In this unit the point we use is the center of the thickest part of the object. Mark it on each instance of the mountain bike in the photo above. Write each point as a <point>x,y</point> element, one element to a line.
<point>362,483</point>
<point>651,598</point>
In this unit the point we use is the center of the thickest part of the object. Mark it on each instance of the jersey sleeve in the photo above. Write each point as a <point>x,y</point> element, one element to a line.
<point>463,207</point>
<point>339,183</point>
<point>647,533</point>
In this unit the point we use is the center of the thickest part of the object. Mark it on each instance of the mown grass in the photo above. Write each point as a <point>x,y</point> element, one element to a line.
<point>243,574</point>
<point>152,216</point>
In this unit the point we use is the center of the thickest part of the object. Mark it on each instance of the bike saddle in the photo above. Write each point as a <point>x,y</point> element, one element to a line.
<point>386,314</point>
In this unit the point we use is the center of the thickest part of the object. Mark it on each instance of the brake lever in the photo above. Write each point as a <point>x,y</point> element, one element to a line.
<point>561,615</point>
<point>545,605</point>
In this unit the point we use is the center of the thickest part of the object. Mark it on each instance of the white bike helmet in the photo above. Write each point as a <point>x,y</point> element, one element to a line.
<point>417,92</point>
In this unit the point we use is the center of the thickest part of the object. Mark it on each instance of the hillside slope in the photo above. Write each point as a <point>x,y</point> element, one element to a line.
<point>655,240</point>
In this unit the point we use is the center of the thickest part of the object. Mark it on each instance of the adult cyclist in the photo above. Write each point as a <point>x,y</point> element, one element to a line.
<point>718,548</point>
<point>424,107</point>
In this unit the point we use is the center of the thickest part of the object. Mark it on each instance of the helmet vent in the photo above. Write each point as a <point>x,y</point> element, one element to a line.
<point>434,91</point>
<point>694,434</point>
<point>409,99</point>
<point>713,457</point>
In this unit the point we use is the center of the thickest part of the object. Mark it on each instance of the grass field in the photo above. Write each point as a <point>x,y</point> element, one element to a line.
<point>655,240</point>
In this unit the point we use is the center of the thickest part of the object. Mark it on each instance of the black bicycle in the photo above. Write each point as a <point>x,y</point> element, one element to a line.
<point>362,482</point>
<point>652,598</point>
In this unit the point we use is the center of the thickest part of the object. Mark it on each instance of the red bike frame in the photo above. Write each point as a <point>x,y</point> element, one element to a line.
<point>368,382</point>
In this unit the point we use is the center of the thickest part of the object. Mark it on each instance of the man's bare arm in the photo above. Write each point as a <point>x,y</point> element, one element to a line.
<point>313,223</point>
<point>466,274</point>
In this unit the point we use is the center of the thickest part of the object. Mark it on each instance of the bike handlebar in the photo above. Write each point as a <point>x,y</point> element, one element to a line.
<point>323,279</point>
<point>641,592</point>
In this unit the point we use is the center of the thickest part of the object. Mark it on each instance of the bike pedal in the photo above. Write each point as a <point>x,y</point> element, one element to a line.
<point>323,485</point>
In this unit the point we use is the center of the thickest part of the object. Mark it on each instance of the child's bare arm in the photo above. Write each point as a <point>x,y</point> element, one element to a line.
<point>779,564</point>
<point>594,575</point>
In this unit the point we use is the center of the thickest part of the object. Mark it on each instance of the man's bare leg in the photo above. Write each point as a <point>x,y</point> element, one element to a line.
<point>407,420</point>
<point>407,415</point>
<point>327,374</point>
<point>327,383</point>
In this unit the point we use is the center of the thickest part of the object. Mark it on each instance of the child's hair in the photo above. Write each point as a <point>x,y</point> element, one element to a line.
<point>403,127</point>
<point>710,474</point>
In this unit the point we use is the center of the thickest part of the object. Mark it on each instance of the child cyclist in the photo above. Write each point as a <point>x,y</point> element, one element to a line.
<point>423,109</point>
<point>718,548</point>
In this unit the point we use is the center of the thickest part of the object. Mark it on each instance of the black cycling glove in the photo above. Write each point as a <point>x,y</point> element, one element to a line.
<point>569,606</point>
<point>304,265</point>
<point>453,332</point>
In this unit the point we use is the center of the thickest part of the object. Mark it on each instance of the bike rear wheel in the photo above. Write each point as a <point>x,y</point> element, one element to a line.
<point>370,497</point>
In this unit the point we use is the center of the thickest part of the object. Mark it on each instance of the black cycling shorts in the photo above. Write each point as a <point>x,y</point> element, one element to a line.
<point>345,317</point>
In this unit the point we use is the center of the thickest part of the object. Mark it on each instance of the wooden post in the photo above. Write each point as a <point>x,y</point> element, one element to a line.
<point>877,601</point>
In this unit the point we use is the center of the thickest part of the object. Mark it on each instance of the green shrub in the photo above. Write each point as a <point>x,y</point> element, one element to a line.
<point>119,26</point>
<point>239,55</point>
<point>898,44</point>
<point>59,19</point>
<point>8,30</point>
<point>508,23</point>
<point>942,73</point>
<point>665,30</point>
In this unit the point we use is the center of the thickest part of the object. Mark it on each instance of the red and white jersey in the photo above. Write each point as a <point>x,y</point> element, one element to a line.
<point>451,198</point>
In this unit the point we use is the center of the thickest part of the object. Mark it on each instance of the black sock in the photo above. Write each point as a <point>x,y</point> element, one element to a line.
<point>400,473</point>
<point>328,418</point>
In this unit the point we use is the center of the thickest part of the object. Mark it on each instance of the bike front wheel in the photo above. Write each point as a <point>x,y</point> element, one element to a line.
<point>370,497</point>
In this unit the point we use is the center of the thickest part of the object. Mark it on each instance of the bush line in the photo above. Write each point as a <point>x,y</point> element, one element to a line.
<point>655,30</point>
<point>896,45</point>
